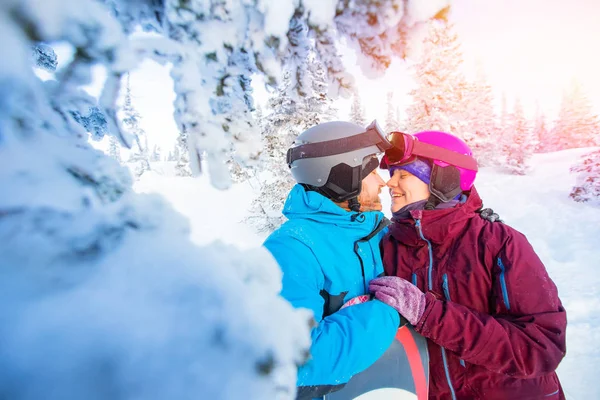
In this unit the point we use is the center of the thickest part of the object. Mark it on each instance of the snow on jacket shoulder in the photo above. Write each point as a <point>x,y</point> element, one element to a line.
<point>495,322</point>
<point>326,261</point>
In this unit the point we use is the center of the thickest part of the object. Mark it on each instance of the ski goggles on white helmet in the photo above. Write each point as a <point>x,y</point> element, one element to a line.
<point>373,136</point>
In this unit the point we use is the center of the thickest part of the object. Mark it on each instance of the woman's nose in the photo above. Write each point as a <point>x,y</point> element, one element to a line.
<point>392,182</point>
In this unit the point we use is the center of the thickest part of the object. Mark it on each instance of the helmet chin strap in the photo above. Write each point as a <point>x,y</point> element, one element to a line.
<point>432,202</point>
<point>353,204</point>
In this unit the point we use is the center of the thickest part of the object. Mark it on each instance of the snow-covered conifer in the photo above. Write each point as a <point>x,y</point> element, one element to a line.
<point>391,119</point>
<point>182,154</point>
<point>542,133</point>
<point>503,118</point>
<point>299,103</point>
<point>140,156</point>
<point>522,144</point>
<point>357,111</point>
<point>481,131</point>
<point>175,153</point>
<point>401,122</point>
<point>503,134</point>
<point>577,125</point>
<point>114,149</point>
<point>587,186</point>
<point>440,100</point>
<point>156,154</point>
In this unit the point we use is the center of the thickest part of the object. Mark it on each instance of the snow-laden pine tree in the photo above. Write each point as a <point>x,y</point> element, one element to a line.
<point>357,111</point>
<point>522,144</point>
<point>391,119</point>
<point>481,133</point>
<point>114,148</point>
<point>541,132</point>
<point>105,283</point>
<point>182,155</point>
<point>175,153</point>
<point>156,154</point>
<point>503,134</point>
<point>503,117</point>
<point>401,122</point>
<point>140,156</point>
<point>587,185</point>
<point>440,100</point>
<point>577,125</point>
<point>298,104</point>
<point>239,172</point>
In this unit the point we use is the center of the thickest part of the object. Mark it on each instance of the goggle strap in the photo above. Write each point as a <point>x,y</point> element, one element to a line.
<point>439,153</point>
<point>336,146</point>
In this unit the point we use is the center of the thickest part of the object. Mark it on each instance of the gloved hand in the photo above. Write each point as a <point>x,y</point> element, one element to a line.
<point>399,293</point>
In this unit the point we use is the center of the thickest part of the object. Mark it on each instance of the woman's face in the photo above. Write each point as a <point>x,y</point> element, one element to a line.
<point>405,189</point>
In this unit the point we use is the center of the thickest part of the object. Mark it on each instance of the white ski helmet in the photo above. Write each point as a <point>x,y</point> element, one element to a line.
<point>333,158</point>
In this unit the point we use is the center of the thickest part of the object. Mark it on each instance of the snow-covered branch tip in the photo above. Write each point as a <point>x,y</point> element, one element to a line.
<point>44,57</point>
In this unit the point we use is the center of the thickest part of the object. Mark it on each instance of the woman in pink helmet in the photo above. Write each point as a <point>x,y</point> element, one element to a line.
<point>475,289</point>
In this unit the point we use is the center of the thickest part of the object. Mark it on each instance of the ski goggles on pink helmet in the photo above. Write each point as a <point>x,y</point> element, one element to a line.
<point>405,148</point>
<point>442,148</point>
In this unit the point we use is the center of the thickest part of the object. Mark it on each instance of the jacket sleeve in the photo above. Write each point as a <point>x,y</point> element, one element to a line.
<point>343,343</point>
<point>525,337</point>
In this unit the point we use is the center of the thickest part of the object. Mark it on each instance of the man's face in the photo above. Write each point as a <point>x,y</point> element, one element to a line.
<point>371,189</point>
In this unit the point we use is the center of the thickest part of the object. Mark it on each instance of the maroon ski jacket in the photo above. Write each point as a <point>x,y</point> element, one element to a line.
<point>494,323</point>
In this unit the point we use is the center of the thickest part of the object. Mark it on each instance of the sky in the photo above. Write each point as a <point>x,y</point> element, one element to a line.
<point>531,49</point>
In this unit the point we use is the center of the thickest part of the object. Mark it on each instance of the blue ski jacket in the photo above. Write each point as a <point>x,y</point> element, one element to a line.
<point>328,257</point>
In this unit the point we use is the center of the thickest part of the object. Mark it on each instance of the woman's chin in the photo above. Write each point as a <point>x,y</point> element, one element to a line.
<point>398,204</point>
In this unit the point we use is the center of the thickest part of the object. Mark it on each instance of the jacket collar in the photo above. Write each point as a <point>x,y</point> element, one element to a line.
<point>436,225</point>
<point>303,204</point>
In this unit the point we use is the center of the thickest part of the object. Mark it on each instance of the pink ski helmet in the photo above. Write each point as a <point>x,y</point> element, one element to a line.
<point>453,143</point>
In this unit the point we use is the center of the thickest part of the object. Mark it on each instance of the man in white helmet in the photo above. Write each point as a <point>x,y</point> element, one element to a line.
<point>328,251</point>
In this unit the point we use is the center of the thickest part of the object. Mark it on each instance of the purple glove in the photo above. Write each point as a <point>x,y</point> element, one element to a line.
<point>399,293</point>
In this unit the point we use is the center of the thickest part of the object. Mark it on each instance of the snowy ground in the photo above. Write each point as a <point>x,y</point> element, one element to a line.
<point>565,234</point>
<point>213,214</point>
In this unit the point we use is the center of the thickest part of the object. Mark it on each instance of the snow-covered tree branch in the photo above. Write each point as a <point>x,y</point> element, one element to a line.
<point>102,293</point>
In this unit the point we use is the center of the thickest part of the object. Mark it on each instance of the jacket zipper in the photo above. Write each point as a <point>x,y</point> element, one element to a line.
<point>429,270</point>
<point>446,292</point>
<point>445,287</point>
<point>381,225</point>
<point>503,283</point>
